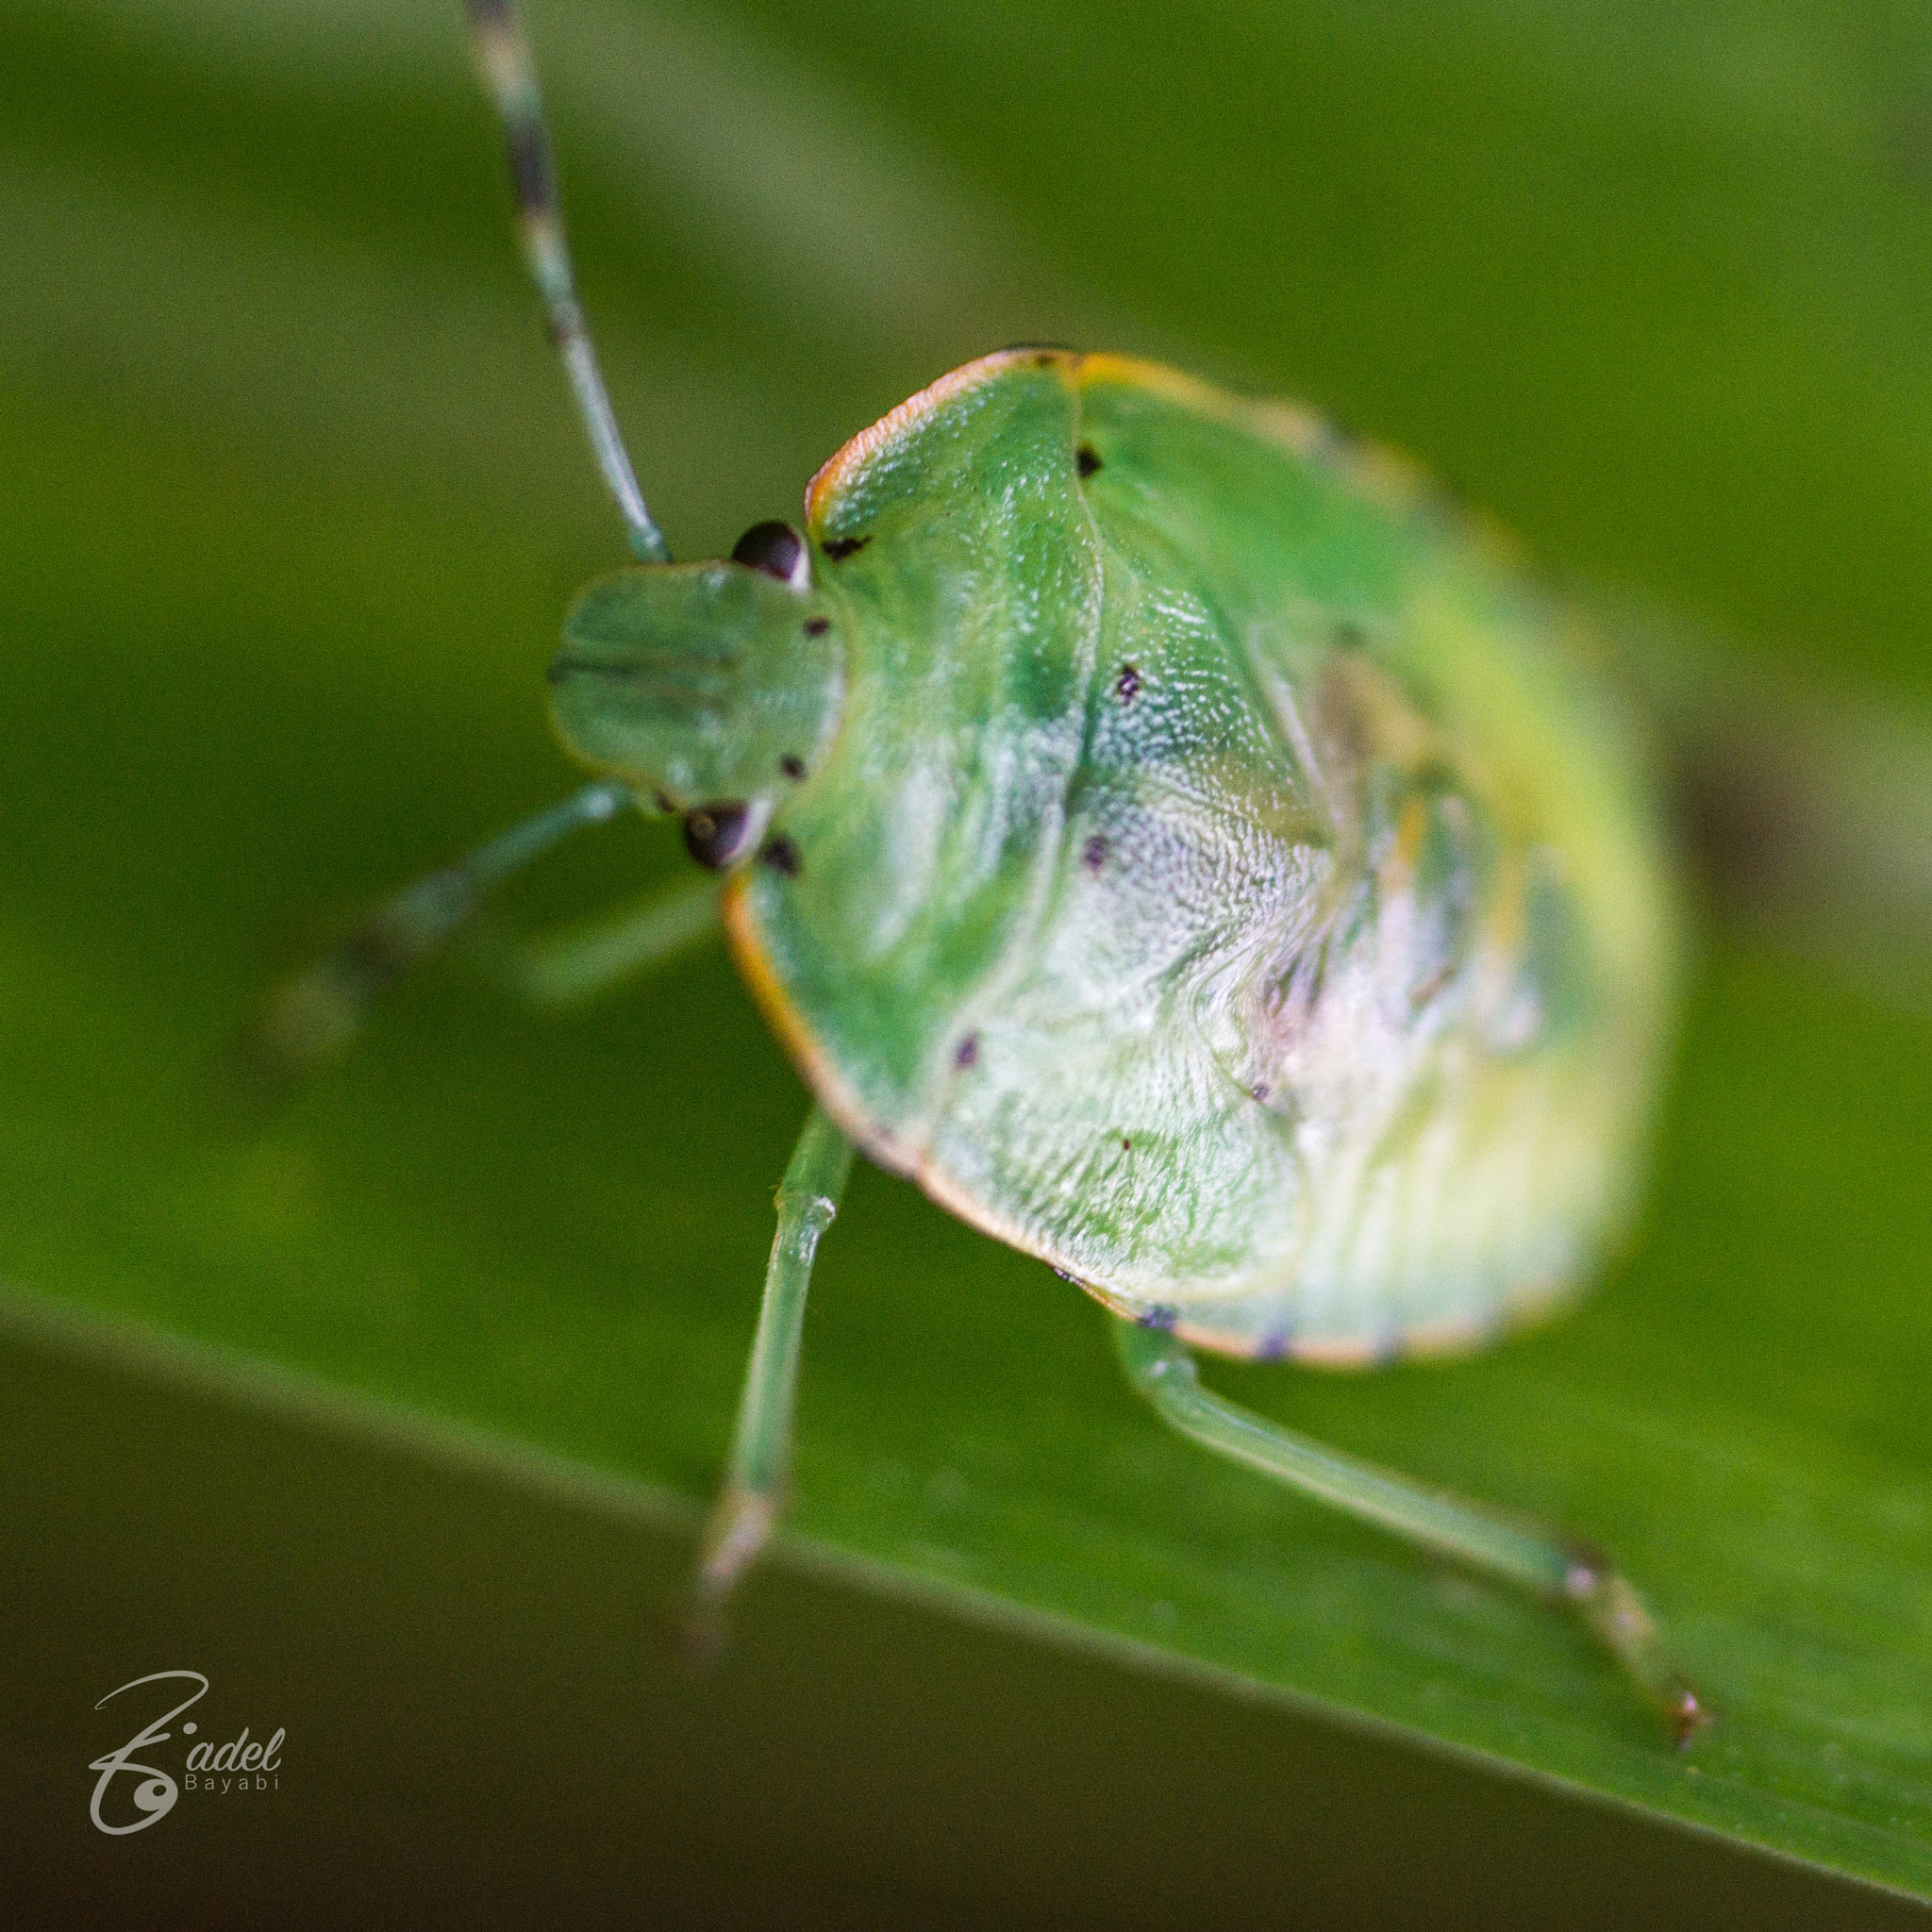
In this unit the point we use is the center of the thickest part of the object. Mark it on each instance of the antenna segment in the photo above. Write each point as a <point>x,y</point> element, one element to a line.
<point>510,78</point>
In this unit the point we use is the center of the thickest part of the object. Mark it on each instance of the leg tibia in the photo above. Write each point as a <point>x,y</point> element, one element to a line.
<point>747,1507</point>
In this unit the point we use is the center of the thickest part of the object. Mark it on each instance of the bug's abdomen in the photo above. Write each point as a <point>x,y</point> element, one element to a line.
<point>1339,1037</point>
<point>1325,1047</point>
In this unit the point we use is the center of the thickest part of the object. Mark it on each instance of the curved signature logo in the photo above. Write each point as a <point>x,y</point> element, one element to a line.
<point>237,1765</point>
<point>154,1798</point>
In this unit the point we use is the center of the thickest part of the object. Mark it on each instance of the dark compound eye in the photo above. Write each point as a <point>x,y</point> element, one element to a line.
<point>778,550</point>
<point>715,835</point>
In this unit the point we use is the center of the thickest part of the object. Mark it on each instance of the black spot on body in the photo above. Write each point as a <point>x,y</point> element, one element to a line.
<point>1127,1145</point>
<point>1127,687</point>
<point>781,854</point>
<point>840,548</point>
<point>1087,458</point>
<point>1260,1089</point>
<point>663,802</point>
<point>1094,853</point>
<point>1273,1347</point>
<point>1159,1316</point>
<point>714,835</point>
<point>967,1053</point>
<point>792,766</point>
<point>817,626</point>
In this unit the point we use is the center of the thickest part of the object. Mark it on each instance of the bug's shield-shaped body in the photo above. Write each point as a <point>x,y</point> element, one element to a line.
<point>1224,881</point>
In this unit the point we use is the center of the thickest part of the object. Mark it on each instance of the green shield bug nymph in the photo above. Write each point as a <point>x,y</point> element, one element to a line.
<point>1159,828</point>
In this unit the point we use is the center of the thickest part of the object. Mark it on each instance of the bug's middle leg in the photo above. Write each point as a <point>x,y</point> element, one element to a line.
<point>748,1505</point>
<point>565,968</point>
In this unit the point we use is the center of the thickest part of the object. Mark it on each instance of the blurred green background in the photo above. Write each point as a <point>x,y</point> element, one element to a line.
<point>291,501</point>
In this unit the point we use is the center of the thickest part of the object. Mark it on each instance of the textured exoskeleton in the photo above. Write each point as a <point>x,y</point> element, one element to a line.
<point>1190,852</point>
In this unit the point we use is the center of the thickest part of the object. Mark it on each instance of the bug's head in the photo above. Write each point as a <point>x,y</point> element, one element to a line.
<point>709,687</point>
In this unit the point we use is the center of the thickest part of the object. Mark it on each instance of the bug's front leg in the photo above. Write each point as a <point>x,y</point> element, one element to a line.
<point>748,1505</point>
<point>315,1013</point>
<point>1561,1571</point>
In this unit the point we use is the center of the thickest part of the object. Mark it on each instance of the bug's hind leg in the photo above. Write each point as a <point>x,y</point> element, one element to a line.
<point>312,1015</point>
<point>1162,1369</point>
<point>748,1505</point>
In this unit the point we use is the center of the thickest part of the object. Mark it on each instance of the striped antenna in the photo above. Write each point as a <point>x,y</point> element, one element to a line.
<point>510,78</point>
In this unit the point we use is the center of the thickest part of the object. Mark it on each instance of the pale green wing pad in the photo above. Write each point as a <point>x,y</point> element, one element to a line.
<point>960,569</point>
